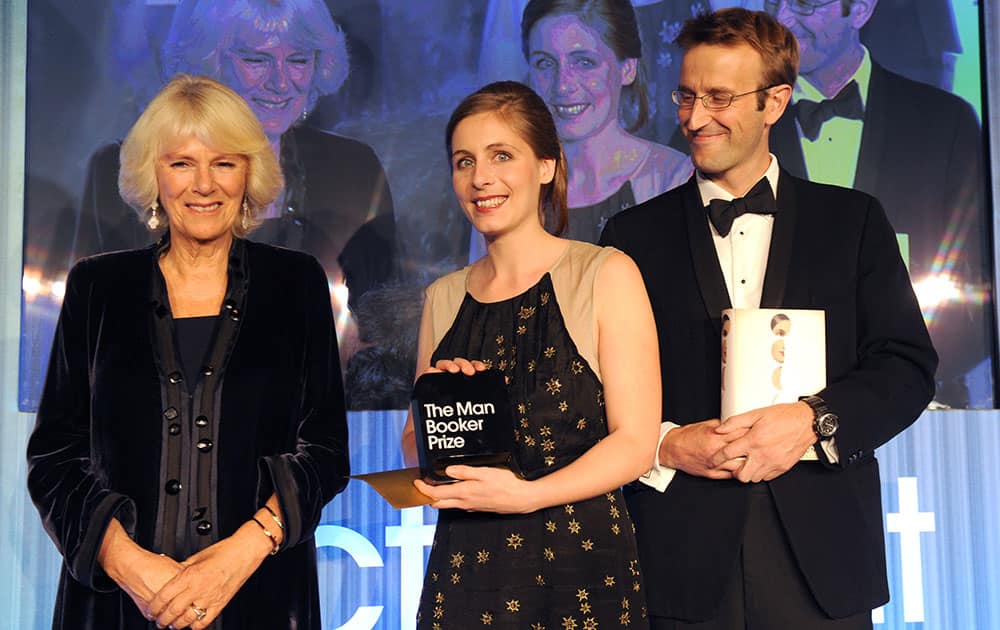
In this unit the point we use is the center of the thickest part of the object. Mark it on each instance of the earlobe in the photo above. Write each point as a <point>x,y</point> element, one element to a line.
<point>629,69</point>
<point>547,170</point>
<point>861,12</point>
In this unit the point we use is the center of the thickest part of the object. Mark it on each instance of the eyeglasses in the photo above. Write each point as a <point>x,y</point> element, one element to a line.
<point>798,7</point>
<point>713,100</point>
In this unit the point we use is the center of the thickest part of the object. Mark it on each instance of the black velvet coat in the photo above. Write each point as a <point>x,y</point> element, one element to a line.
<point>269,403</point>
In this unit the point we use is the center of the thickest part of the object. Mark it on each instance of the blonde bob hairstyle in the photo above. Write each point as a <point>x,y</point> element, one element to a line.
<point>192,106</point>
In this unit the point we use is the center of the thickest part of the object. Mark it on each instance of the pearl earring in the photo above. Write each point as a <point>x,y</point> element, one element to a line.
<point>153,222</point>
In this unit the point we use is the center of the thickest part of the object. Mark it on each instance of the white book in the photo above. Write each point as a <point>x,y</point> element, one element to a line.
<point>771,356</point>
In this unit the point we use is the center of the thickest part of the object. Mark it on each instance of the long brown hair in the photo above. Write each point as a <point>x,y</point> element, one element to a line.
<point>526,113</point>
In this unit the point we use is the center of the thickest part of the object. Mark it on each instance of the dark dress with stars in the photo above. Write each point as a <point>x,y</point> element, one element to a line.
<point>564,567</point>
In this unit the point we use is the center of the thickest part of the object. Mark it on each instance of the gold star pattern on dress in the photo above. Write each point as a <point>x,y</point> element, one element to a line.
<point>513,605</point>
<point>548,554</point>
<point>611,497</point>
<point>457,559</point>
<point>499,339</point>
<point>526,312</point>
<point>563,406</point>
<point>600,397</point>
<point>625,603</point>
<point>574,526</point>
<point>633,567</point>
<point>522,329</point>
<point>483,556</point>
<point>636,587</point>
<point>587,545</point>
<point>438,612</point>
<point>524,423</point>
<point>569,623</point>
<point>528,440</point>
<point>609,580</point>
<point>550,352</point>
<point>502,365</point>
<point>553,386</point>
<point>545,298</point>
<point>500,351</point>
<point>581,424</point>
<point>455,578</point>
<point>548,445</point>
<point>585,608</point>
<point>537,626</point>
<point>615,529</point>
<point>625,619</point>
<point>568,508</point>
<point>590,624</point>
<point>545,430</point>
<point>434,577</point>
<point>540,580</point>
<point>582,594</point>
<point>515,541</point>
<point>531,365</point>
<point>487,618</point>
<point>488,363</point>
<point>435,626</point>
<point>550,460</point>
<point>551,526</point>
<point>614,511</point>
<point>577,367</point>
<point>522,409</point>
<point>439,597</point>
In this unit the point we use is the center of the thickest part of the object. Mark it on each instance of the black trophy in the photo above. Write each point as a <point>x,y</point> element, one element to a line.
<point>460,419</point>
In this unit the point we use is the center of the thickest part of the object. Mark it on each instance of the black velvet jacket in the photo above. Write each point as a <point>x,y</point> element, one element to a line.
<point>120,434</point>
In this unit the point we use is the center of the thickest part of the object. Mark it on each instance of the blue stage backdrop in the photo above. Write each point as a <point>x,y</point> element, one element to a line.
<point>93,66</point>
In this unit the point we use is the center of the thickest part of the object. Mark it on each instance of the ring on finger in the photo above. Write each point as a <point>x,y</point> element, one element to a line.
<point>199,613</point>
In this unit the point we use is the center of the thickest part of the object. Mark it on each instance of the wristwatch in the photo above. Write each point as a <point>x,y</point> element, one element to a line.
<point>825,422</point>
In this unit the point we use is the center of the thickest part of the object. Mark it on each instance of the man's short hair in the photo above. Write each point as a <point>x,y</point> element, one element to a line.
<point>775,44</point>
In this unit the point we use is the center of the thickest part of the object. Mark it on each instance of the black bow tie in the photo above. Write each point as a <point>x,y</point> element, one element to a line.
<point>846,104</point>
<point>760,200</point>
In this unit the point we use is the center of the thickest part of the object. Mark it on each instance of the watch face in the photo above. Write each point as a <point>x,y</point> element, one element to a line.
<point>826,425</point>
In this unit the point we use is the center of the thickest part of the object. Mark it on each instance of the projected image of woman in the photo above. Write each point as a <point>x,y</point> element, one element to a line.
<point>584,59</point>
<point>281,56</point>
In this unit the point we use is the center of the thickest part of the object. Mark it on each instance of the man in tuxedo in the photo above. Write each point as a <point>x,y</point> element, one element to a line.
<point>916,148</point>
<point>737,527</point>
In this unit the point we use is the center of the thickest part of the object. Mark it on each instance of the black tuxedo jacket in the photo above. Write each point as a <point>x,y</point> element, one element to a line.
<point>831,249</point>
<point>921,155</point>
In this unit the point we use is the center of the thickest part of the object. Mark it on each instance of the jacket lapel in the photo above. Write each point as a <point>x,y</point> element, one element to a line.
<point>780,252</point>
<point>874,131</point>
<point>706,262</point>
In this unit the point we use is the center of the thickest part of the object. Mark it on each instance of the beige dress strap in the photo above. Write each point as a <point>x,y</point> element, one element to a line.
<point>574,279</point>
<point>445,296</point>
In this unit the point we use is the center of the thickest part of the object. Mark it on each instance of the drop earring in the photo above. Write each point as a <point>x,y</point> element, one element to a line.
<point>153,222</point>
<point>245,216</point>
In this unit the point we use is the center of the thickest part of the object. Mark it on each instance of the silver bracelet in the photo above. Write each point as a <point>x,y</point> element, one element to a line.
<point>274,516</point>
<point>267,532</point>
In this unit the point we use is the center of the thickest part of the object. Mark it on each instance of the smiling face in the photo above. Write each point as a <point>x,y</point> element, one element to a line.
<point>200,189</point>
<point>272,74</point>
<point>496,176</point>
<point>577,74</point>
<point>729,146</point>
<point>827,37</point>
